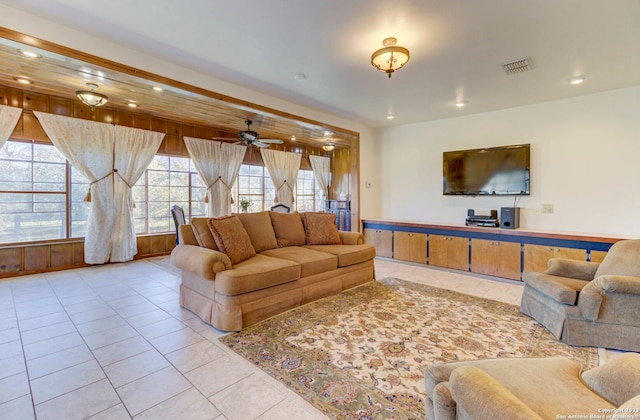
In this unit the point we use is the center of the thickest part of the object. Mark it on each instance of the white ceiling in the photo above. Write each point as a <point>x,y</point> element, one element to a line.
<point>457,48</point>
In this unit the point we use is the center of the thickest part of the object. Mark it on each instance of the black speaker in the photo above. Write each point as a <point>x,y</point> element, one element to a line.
<point>510,217</point>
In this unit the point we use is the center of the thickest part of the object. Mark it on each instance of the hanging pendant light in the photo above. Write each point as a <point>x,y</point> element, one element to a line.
<point>91,98</point>
<point>390,58</point>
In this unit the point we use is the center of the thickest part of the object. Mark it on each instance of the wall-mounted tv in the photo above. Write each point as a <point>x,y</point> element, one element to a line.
<point>492,171</point>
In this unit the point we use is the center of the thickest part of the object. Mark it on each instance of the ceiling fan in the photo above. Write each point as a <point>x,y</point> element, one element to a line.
<point>249,137</point>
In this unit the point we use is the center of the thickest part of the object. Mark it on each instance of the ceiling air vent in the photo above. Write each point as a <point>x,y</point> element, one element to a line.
<point>517,66</point>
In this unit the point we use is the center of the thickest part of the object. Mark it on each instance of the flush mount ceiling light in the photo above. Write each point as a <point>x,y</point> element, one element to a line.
<point>91,98</point>
<point>328,147</point>
<point>391,57</point>
<point>577,80</point>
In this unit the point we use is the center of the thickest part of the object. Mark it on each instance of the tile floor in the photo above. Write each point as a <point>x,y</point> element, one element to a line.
<point>112,342</point>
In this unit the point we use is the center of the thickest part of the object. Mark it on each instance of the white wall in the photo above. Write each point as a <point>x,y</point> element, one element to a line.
<point>585,160</point>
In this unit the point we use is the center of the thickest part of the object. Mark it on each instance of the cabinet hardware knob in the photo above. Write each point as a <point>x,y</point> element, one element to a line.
<point>550,249</point>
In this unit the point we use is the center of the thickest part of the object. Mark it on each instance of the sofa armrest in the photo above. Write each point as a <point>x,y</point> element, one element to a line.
<point>201,261</point>
<point>575,269</point>
<point>351,238</point>
<point>482,397</point>
<point>592,295</point>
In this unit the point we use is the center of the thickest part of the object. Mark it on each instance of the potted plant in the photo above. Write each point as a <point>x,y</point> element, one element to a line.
<point>245,203</point>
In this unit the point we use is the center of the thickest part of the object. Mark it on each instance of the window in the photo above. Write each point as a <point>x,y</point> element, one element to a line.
<point>255,184</point>
<point>32,192</point>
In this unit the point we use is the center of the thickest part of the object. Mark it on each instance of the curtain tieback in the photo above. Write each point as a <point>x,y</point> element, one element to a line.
<point>285,183</point>
<point>206,197</point>
<point>88,196</point>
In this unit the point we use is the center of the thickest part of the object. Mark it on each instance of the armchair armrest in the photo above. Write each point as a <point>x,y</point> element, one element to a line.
<point>575,269</point>
<point>482,397</point>
<point>201,261</point>
<point>591,296</point>
<point>351,238</point>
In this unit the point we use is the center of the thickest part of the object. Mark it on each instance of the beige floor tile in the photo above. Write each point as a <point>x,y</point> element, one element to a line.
<point>121,350</point>
<point>160,328</point>
<point>94,314</point>
<point>153,389</point>
<point>45,333</point>
<point>217,375</point>
<point>127,301</point>
<point>100,325</point>
<point>12,366</point>
<point>148,318</point>
<point>79,404</point>
<point>63,381</point>
<point>135,367</point>
<point>289,409</point>
<point>141,308</point>
<point>107,337</point>
<point>91,305</point>
<point>9,334</point>
<point>176,340</point>
<point>18,409</point>
<point>54,362</point>
<point>10,349</point>
<point>43,321</point>
<point>117,412</point>
<point>247,399</point>
<point>52,345</point>
<point>36,311</point>
<point>189,404</point>
<point>194,356</point>
<point>13,387</point>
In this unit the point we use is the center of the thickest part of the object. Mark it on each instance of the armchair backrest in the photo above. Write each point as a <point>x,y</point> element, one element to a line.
<point>623,259</point>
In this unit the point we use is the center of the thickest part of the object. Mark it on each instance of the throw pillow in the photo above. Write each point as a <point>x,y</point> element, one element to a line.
<point>202,233</point>
<point>288,228</point>
<point>231,238</point>
<point>260,230</point>
<point>321,229</point>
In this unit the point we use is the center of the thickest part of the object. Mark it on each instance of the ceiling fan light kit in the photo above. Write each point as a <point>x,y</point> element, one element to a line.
<point>390,58</point>
<point>329,147</point>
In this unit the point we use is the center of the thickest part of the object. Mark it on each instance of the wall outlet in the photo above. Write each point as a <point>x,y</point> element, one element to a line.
<point>547,208</point>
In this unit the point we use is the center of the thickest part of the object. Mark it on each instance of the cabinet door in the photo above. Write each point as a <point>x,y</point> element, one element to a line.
<point>496,258</point>
<point>536,257</point>
<point>409,246</point>
<point>381,239</point>
<point>449,252</point>
<point>598,256</point>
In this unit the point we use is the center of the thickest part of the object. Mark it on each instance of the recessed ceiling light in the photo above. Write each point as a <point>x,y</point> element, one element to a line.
<point>23,80</point>
<point>132,104</point>
<point>158,89</point>
<point>577,80</point>
<point>300,77</point>
<point>293,138</point>
<point>390,116</point>
<point>29,53</point>
<point>328,134</point>
<point>461,104</point>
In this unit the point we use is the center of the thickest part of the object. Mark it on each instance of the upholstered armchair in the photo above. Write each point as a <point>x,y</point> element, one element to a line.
<point>532,388</point>
<point>589,304</point>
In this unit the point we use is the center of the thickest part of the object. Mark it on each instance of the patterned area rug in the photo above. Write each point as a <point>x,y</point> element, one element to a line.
<point>361,354</point>
<point>163,262</point>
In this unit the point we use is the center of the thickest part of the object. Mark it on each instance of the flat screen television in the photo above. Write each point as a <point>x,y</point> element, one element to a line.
<point>492,171</point>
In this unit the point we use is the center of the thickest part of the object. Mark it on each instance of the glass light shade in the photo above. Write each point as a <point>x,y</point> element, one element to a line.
<point>93,99</point>
<point>391,57</point>
<point>328,147</point>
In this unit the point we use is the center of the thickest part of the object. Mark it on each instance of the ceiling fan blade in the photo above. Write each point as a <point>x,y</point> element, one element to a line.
<point>259,143</point>
<point>225,138</point>
<point>272,141</point>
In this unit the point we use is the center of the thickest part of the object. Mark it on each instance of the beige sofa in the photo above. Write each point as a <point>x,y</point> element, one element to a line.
<point>292,259</point>
<point>533,388</point>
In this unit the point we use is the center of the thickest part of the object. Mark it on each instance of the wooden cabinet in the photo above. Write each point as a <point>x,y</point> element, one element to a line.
<point>496,258</point>
<point>536,257</point>
<point>381,239</point>
<point>597,256</point>
<point>409,246</point>
<point>449,252</point>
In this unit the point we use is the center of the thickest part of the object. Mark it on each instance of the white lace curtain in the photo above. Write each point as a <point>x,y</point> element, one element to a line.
<point>218,165</point>
<point>321,166</point>
<point>98,151</point>
<point>8,119</point>
<point>283,169</point>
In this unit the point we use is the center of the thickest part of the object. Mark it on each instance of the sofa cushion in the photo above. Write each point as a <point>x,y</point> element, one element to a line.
<point>288,228</point>
<point>311,261</point>
<point>256,273</point>
<point>321,229</point>
<point>231,238</point>
<point>260,230</point>
<point>202,232</point>
<point>347,254</point>
<point>561,289</point>
<point>616,380</point>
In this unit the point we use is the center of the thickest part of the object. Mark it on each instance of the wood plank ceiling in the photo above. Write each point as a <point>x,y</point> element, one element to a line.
<point>60,71</point>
